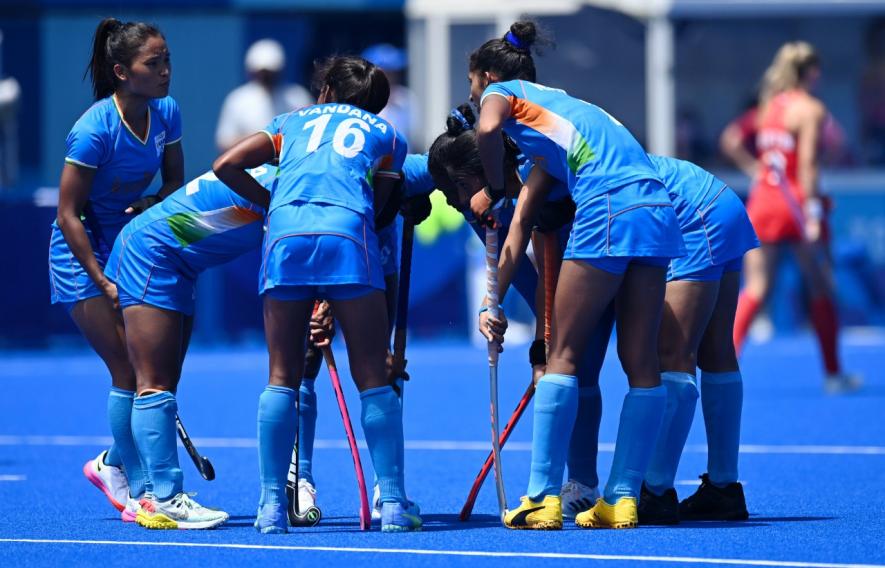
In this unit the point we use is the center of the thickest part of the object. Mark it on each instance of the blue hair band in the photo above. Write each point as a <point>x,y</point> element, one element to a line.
<point>462,120</point>
<point>513,40</point>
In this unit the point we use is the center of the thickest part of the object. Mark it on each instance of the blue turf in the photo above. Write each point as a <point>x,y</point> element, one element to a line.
<point>804,507</point>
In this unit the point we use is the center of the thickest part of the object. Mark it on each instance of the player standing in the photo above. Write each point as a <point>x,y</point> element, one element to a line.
<point>113,152</point>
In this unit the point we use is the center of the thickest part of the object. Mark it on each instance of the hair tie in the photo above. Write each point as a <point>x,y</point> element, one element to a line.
<point>513,40</point>
<point>462,120</point>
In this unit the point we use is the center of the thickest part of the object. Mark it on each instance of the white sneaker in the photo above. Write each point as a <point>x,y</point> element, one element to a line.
<point>576,498</point>
<point>131,511</point>
<point>376,503</point>
<point>178,512</point>
<point>839,383</point>
<point>110,480</point>
<point>307,495</point>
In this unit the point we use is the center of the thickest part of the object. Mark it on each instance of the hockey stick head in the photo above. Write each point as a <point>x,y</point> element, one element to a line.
<point>205,468</point>
<point>309,518</point>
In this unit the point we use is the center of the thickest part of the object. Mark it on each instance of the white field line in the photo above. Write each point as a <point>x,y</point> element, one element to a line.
<point>13,477</point>
<point>443,445</point>
<point>467,553</point>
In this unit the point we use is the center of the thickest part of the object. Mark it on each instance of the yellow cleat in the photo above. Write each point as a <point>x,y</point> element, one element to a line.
<point>155,521</point>
<point>543,516</point>
<point>622,515</point>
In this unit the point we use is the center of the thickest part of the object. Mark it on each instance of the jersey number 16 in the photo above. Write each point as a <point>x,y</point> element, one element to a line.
<point>348,139</point>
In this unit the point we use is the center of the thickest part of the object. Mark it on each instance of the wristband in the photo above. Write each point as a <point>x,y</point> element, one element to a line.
<point>486,308</point>
<point>538,353</point>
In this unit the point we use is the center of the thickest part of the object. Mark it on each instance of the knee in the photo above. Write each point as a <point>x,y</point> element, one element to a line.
<point>719,359</point>
<point>676,356</point>
<point>284,379</point>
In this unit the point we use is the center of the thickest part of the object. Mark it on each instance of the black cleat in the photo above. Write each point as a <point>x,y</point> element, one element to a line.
<point>711,503</point>
<point>658,509</point>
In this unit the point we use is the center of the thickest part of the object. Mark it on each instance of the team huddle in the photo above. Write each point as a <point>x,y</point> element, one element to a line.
<point>620,237</point>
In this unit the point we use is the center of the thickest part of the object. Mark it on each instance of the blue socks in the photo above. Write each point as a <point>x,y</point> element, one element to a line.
<point>307,427</point>
<point>556,407</point>
<point>153,424</point>
<point>382,418</point>
<point>123,451</point>
<point>584,445</point>
<point>641,418</point>
<point>722,397</point>
<point>277,428</point>
<point>682,397</point>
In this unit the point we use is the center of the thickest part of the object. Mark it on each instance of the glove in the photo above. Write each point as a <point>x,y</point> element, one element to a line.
<point>554,215</point>
<point>142,204</point>
<point>416,209</point>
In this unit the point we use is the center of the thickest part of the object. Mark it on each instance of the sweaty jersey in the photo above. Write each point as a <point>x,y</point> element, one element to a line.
<point>574,141</point>
<point>416,177</point>
<point>202,224</point>
<point>688,182</point>
<point>124,164</point>
<point>331,153</point>
<point>776,145</point>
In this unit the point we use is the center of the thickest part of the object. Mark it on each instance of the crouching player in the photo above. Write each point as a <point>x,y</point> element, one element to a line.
<point>155,263</point>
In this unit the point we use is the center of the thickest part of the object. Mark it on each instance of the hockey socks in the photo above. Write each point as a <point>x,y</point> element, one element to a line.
<point>556,407</point>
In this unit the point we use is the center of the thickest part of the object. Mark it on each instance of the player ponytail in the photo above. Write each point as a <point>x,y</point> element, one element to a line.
<point>789,68</point>
<point>454,155</point>
<point>354,81</point>
<point>510,57</point>
<point>115,43</point>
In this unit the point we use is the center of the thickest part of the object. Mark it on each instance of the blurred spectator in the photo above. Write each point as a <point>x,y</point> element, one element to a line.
<point>872,95</point>
<point>10,93</point>
<point>250,107</point>
<point>402,107</point>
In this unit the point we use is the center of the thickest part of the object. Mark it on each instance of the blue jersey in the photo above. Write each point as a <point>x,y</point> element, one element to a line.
<point>416,177</point>
<point>331,153</point>
<point>688,182</point>
<point>124,164</point>
<point>574,141</point>
<point>558,191</point>
<point>201,225</point>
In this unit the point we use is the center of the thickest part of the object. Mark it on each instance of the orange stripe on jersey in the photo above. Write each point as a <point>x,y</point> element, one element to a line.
<point>532,115</point>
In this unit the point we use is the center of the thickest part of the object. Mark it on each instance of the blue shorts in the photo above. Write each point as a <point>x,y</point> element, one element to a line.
<point>313,244</point>
<point>388,248</point>
<point>68,281</point>
<point>619,264</point>
<point>715,237</point>
<point>331,292</point>
<point>633,221</point>
<point>143,277</point>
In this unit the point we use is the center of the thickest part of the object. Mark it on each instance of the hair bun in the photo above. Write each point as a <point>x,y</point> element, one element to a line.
<point>525,32</point>
<point>461,119</point>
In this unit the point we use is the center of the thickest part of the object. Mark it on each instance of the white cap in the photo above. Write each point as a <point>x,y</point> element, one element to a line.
<point>265,55</point>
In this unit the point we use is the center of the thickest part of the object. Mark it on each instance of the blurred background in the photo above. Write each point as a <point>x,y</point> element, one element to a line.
<point>676,72</point>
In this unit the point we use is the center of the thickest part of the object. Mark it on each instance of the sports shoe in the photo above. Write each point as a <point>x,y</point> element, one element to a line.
<point>658,509</point>
<point>131,511</point>
<point>621,515</point>
<point>178,512</point>
<point>543,515</point>
<point>398,518</point>
<point>272,519</point>
<point>577,497</point>
<point>839,383</point>
<point>109,479</point>
<point>712,503</point>
<point>307,495</point>
<point>376,503</point>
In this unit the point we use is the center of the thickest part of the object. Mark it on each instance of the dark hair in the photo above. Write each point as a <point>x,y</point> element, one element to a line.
<point>454,155</point>
<point>510,57</point>
<point>115,42</point>
<point>354,81</point>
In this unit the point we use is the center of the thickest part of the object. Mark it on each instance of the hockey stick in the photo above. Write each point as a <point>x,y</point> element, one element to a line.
<point>492,294</point>
<point>402,304</point>
<point>549,286</point>
<point>365,515</point>
<point>312,515</point>
<point>202,463</point>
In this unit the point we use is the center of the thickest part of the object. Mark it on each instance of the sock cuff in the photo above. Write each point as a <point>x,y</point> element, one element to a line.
<point>308,385</point>
<point>592,390</point>
<point>377,391</point>
<point>679,377</point>
<point>720,378</point>
<point>561,380</point>
<point>154,399</point>
<point>282,390</point>
<point>116,391</point>
<point>659,391</point>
